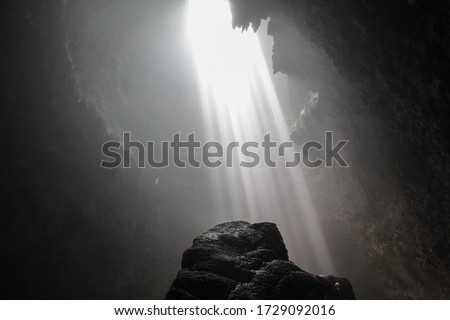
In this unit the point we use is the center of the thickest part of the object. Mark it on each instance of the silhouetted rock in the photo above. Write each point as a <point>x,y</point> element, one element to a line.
<point>239,260</point>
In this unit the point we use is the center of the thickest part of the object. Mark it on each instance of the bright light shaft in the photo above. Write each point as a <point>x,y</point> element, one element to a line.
<point>223,56</point>
<point>240,103</point>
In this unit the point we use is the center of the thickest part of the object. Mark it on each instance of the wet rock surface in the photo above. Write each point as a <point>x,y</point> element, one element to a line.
<point>239,260</point>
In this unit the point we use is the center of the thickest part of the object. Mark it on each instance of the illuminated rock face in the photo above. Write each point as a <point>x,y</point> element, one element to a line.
<point>238,260</point>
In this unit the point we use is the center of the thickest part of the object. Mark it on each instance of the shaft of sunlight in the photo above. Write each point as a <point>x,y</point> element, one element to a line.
<point>240,103</point>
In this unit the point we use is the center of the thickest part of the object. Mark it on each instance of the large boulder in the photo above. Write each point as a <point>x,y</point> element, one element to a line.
<point>239,260</point>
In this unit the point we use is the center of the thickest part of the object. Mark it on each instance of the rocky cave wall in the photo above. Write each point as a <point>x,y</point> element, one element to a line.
<point>382,70</point>
<point>71,230</point>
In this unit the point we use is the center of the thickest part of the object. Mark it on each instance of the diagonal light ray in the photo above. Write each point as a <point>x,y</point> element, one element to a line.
<point>240,103</point>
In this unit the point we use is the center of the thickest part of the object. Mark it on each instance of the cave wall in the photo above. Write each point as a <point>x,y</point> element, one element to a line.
<point>381,70</point>
<point>70,229</point>
<point>75,74</point>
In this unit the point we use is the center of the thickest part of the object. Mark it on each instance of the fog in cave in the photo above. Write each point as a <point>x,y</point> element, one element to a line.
<point>79,73</point>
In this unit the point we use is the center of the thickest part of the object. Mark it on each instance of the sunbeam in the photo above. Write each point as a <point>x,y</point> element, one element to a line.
<point>240,103</point>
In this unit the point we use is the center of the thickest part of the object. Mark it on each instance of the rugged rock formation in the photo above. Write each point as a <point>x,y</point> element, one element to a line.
<point>238,260</point>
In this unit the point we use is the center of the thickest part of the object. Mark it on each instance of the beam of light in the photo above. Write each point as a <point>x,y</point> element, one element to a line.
<point>240,103</point>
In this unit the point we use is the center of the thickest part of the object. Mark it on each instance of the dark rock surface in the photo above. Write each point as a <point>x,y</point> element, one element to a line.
<point>239,260</point>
